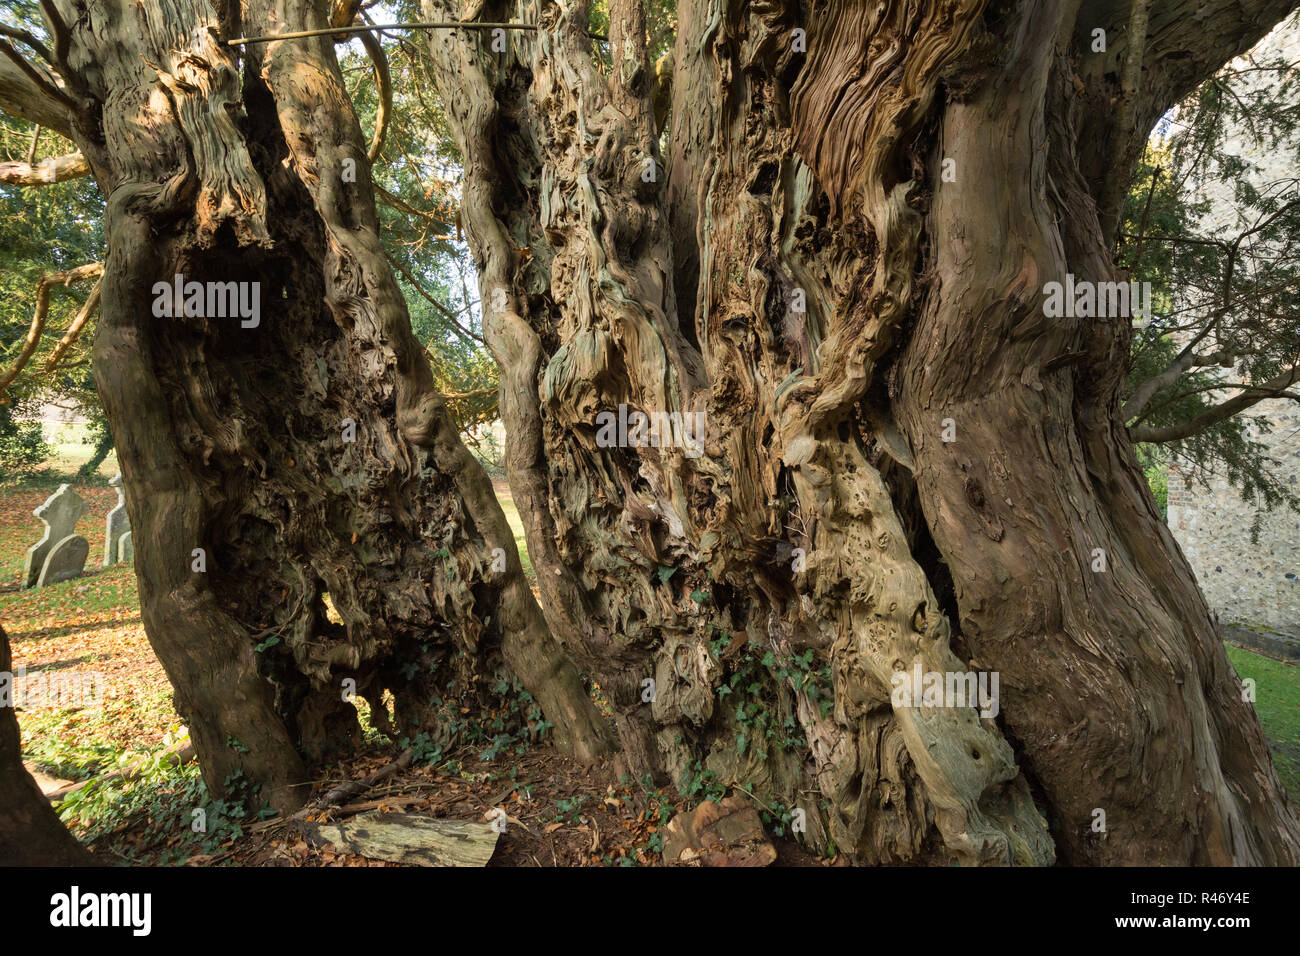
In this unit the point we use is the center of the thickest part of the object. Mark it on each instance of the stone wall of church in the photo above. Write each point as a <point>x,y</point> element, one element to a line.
<point>1257,584</point>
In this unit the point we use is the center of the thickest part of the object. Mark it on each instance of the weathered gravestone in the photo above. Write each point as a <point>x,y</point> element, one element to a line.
<point>67,559</point>
<point>60,513</point>
<point>117,526</point>
<point>125,549</point>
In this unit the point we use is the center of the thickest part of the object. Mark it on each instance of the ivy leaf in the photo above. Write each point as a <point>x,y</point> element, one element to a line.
<point>665,573</point>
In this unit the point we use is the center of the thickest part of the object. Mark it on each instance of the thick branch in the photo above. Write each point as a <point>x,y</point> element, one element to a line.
<point>59,29</point>
<point>22,36</point>
<point>1273,388</point>
<point>48,282</point>
<point>24,97</point>
<point>1122,149</point>
<point>88,308</point>
<point>41,82</point>
<point>56,169</point>
<point>1186,42</point>
<point>1142,396</point>
<point>343,12</point>
<point>385,82</point>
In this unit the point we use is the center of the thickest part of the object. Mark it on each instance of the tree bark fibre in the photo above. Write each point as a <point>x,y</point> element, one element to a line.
<point>305,455</point>
<point>800,271</point>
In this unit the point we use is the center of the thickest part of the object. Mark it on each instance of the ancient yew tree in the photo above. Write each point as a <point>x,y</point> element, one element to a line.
<point>789,257</point>
<point>831,242</point>
<point>277,460</point>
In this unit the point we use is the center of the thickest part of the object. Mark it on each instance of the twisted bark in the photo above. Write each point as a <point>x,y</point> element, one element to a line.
<point>277,459</point>
<point>812,279</point>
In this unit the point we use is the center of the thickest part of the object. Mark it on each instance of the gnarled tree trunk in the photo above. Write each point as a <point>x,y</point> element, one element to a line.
<point>802,272</point>
<point>280,460</point>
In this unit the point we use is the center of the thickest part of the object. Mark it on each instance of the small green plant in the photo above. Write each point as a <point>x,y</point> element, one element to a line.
<point>698,784</point>
<point>569,809</point>
<point>423,749</point>
<point>777,816</point>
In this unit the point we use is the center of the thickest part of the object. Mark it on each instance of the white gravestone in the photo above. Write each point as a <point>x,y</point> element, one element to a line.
<point>117,525</point>
<point>66,560</point>
<point>60,513</point>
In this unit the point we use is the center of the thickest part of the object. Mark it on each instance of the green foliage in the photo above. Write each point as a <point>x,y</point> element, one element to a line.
<point>49,745</point>
<point>569,809</point>
<point>514,725</point>
<point>1223,291</point>
<point>699,784</point>
<point>756,689</point>
<point>756,675</point>
<point>160,807</point>
<point>1155,466</point>
<point>777,816</point>
<point>424,750</point>
<point>157,803</point>
<point>42,230</point>
<point>22,445</point>
<point>1277,701</point>
<point>657,801</point>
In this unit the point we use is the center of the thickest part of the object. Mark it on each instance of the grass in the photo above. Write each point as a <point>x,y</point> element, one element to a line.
<point>71,447</point>
<point>87,628</point>
<point>92,624</point>
<point>1277,701</point>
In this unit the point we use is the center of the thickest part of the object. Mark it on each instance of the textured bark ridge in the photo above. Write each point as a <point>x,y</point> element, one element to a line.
<point>1121,672</point>
<point>306,453</point>
<point>801,273</point>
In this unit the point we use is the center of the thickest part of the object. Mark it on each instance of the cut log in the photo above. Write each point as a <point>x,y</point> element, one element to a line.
<point>408,839</point>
